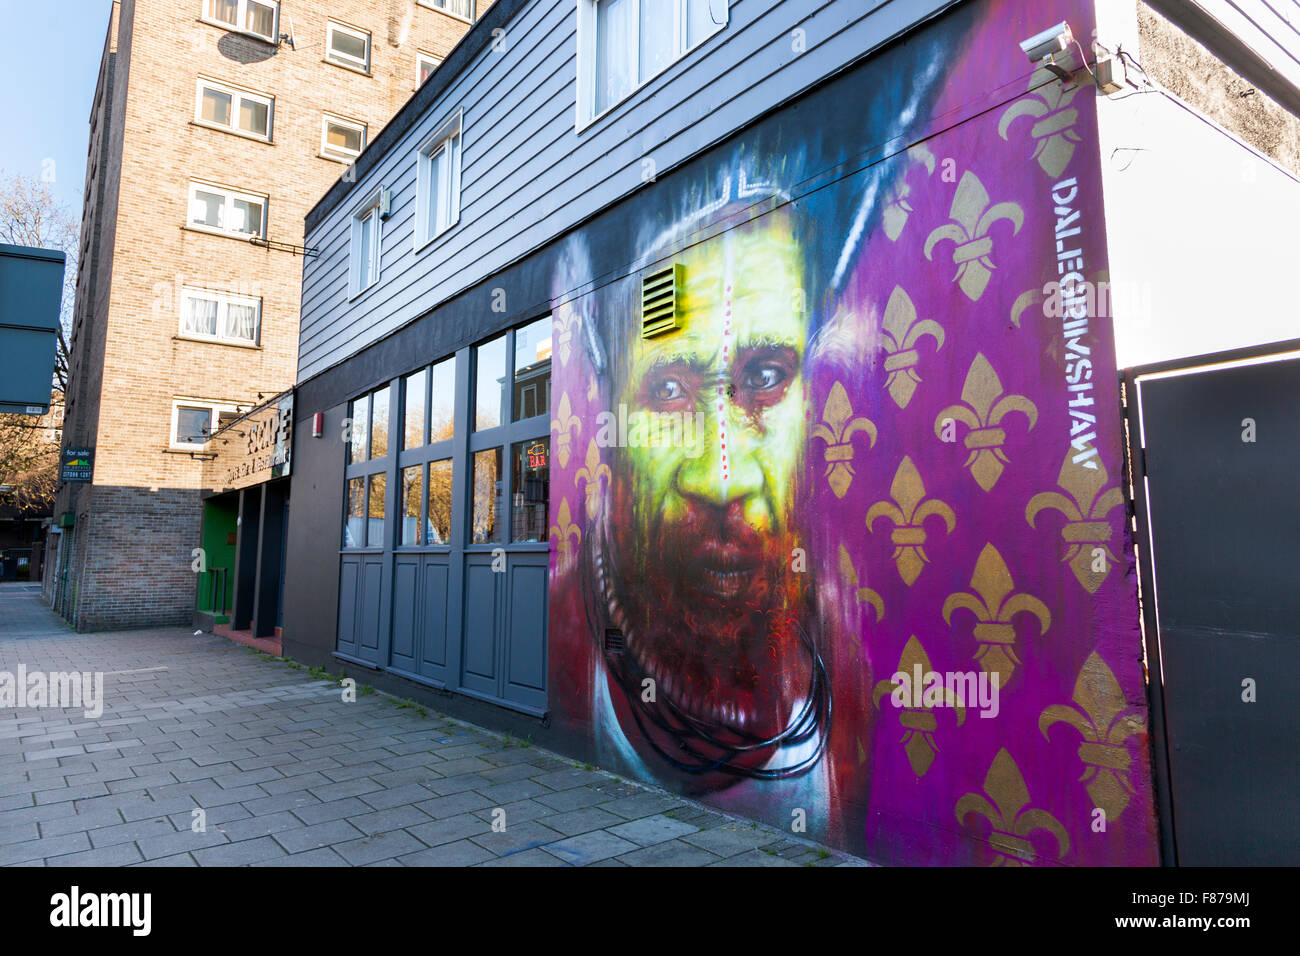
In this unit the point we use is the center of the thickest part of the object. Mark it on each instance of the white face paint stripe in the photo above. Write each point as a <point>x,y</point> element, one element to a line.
<point>728,272</point>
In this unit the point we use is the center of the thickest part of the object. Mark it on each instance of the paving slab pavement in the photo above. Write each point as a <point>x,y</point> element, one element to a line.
<point>208,753</point>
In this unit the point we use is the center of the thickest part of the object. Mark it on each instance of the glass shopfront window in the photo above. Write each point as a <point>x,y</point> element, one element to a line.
<point>487,496</point>
<point>442,402</point>
<point>532,371</point>
<point>412,496</point>
<point>359,414</point>
<point>415,389</point>
<point>529,516</point>
<point>438,520</point>
<point>489,393</point>
<point>354,533</point>
<point>375,511</point>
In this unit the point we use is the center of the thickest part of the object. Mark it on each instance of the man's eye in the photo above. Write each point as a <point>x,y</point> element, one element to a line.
<point>764,378</point>
<point>668,390</point>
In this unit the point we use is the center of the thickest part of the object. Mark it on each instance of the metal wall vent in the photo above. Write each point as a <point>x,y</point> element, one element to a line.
<point>615,642</point>
<point>659,300</point>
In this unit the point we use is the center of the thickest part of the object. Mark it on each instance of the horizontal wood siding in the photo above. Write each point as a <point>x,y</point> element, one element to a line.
<point>528,177</point>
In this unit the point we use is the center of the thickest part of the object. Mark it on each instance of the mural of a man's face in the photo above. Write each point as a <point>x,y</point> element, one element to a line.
<point>703,526</point>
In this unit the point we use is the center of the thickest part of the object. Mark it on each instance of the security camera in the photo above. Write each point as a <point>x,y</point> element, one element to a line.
<point>1045,45</point>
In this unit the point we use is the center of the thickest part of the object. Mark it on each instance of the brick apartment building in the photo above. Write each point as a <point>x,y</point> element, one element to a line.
<point>216,125</point>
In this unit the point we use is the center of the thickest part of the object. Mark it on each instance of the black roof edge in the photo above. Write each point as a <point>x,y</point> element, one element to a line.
<point>461,57</point>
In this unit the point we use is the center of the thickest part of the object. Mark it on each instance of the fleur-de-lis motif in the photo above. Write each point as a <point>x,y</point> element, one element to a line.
<point>862,593</point>
<point>588,477</point>
<point>1105,721</point>
<point>1024,301</point>
<point>994,605</point>
<point>972,217</point>
<point>593,388</point>
<point>901,332</point>
<point>1052,133</point>
<point>982,410</point>
<point>1006,812</point>
<point>898,206</point>
<point>1086,527</point>
<point>837,432</point>
<point>565,321</point>
<point>567,427</point>
<point>564,529</point>
<point>918,722</point>
<point>908,512</point>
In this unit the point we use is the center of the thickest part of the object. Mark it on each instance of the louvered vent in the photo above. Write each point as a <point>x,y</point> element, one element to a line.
<point>615,643</point>
<point>659,301</point>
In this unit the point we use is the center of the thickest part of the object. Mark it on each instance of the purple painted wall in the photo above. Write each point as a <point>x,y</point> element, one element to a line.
<point>948,501</point>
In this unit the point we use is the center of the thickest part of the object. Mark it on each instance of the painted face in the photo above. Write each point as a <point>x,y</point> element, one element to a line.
<point>703,524</point>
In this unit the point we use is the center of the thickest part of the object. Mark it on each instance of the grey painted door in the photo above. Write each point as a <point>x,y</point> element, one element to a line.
<point>1220,455</point>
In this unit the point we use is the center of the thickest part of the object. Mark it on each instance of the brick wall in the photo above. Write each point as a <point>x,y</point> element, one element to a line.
<point>136,526</point>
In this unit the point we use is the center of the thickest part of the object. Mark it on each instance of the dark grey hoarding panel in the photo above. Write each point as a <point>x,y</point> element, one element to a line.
<point>31,289</point>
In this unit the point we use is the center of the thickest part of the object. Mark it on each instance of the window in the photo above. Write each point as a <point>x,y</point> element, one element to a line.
<point>532,370</point>
<point>425,64</point>
<point>364,254</point>
<point>341,139</point>
<point>460,8</point>
<point>438,186</point>
<point>194,421</point>
<point>489,391</point>
<point>347,46</point>
<point>257,18</point>
<point>229,108</point>
<point>624,43</point>
<point>220,317</point>
<point>365,513</point>
<point>220,209</point>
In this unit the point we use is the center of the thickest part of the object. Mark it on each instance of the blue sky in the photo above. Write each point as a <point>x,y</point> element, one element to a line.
<point>48,77</point>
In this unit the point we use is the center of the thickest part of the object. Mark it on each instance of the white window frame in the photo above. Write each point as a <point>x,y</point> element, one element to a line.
<point>447,136</point>
<point>214,409</point>
<point>224,300</point>
<point>442,7</point>
<point>422,57</point>
<point>330,152</point>
<point>585,110</point>
<point>241,15</point>
<point>370,206</point>
<point>230,194</point>
<point>344,59</point>
<point>236,94</point>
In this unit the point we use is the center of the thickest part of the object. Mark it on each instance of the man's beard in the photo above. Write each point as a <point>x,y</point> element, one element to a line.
<point>710,609</point>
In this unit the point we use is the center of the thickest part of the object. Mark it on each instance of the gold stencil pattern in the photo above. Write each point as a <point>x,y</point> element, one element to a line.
<point>908,512</point>
<point>1086,527</point>
<point>918,722</point>
<point>901,332</point>
<point>836,429</point>
<point>567,426</point>
<point>861,593</point>
<point>972,216</point>
<point>564,529</point>
<point>995,603</point>
<point>1103,718</point>
<point>898,207</point>
<point>588,477</point>
<point>982,409</point>
<point>1049,106</point>
<point>1003,804</point>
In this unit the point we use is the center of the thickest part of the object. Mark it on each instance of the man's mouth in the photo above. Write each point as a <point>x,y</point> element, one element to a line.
<point>723,571</point>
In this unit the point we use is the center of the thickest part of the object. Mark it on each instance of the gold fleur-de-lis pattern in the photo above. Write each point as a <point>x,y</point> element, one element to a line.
<point>1005,805</point>
<point>1052,132</point>
<point>983,407</point>
<point>898,206</point>
<point>566,535</point>
<point>836,430</point>
<point>901,331</point>
<point>920,720</point>
<point>1087,531</point>
<point>995,603</point>
<point>566,426</point>
<point>907,512</point>
<point>1105,721</point>
<point>972,216</point>
<point>588,478</point>
<point>861,593</point>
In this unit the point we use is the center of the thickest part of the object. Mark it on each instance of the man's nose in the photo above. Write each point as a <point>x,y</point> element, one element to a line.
<point>726,469</point>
